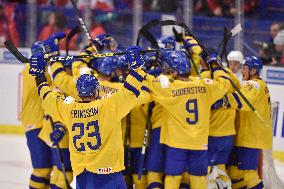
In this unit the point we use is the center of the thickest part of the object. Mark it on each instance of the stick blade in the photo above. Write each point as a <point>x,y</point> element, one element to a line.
<point>13,49</point>
<point>237,29</point>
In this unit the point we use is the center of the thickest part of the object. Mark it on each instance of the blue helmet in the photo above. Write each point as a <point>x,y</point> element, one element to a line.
<point>121,62</point>
<point>177,60</point>
<point>106,65</point>
<point>37,47</point>
<point>167,42</point>
<point>213,58</point>
<point>87,85</point>
<point>149,58</point>
<point>253,62</point>
<point>102,40</point>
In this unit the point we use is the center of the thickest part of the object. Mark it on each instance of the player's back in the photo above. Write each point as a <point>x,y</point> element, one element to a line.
<point>186,112</point>
<point>95,138</point>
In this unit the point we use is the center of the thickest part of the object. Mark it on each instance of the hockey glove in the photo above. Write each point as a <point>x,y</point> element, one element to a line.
<point>58,133</point>
<point>37,65</point>
<point>134,57</point>
<point>223,102</point>
<point>51,45</point>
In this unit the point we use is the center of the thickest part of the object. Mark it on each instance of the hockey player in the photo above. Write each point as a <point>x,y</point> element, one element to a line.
<point>50,125</point>
<point>252,134</point>
<point>235,59</point>
<point>95,136</point>
<point>32,117</point>
<point>185,130</point>
<point>220,141</point>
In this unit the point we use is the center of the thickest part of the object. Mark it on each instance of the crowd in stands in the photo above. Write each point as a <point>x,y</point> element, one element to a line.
<point>271,51</point>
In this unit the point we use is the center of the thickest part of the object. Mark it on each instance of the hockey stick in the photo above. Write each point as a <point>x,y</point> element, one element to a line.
<point>227,37</point>
<point>59,155</point>
<point>128,176</point>
<point>71,34</point>
<point>145,139</point>
<point>13,49</point>
<point>234,31</point>
<point>84,26</point>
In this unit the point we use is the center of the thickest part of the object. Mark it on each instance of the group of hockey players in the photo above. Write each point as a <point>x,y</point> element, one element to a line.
<point>86,117</point>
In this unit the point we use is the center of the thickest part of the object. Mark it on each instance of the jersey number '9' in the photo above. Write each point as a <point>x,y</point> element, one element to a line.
<point>81,147</point>
<point>191,107</point>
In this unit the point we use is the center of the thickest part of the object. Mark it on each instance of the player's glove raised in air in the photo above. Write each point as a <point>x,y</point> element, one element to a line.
<point>58,133</point>
<point>192,45</point>
<point>223,102</point>
<point>134,57</point>
<point>51,45</point>
<point>37,65</point>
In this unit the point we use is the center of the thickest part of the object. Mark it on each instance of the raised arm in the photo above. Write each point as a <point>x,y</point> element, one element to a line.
<point>54,104</point>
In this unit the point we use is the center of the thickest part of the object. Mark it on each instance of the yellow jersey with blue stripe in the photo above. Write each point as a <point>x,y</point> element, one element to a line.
<point>95,140</point>
<point>251,131</point>
<point>222,120</point>
<point>186,108</point>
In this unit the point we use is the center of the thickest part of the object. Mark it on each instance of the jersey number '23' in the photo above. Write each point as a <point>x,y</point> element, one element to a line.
<point>81,147</point>
<point>191,107</point>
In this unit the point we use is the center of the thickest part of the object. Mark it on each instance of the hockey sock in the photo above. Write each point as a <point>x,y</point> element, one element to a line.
<point>139,184</point>
<point>57,178</point>
<point>40,178</point>
<point>236,176</point>
<point>154,180</point>
<point>172,182</point>
<point>197,182</point>
<point>251,177</point>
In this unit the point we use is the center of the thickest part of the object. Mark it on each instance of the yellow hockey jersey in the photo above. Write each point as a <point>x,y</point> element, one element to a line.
<point>138,125</point>
<point>252,132</point>
<point>32,113</point>
<point>95,140</point>
<point>186,108</point>
<point>222,121</point>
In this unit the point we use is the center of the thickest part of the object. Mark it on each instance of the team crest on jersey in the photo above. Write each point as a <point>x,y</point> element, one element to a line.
<point>106,170</point>
<point>68,100</point>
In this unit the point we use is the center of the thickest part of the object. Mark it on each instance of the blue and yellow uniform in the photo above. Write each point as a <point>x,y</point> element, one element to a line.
<point>95,140</point>
<point>32,118</point>
<point>183,131</point>
<point>253,134</point>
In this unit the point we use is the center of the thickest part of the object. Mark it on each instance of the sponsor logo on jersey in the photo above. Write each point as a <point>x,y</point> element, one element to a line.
<point>106,170</point>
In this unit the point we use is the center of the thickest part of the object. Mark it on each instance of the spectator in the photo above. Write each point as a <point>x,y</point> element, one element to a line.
<point>228,8</point>
<point>268,52</point>
<point>274,29</point>
<point>8,29</point>
<point>57,23</point>
<point>279,47</point>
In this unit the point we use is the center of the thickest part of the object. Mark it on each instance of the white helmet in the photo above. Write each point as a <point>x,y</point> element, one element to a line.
<point>236,56</point>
